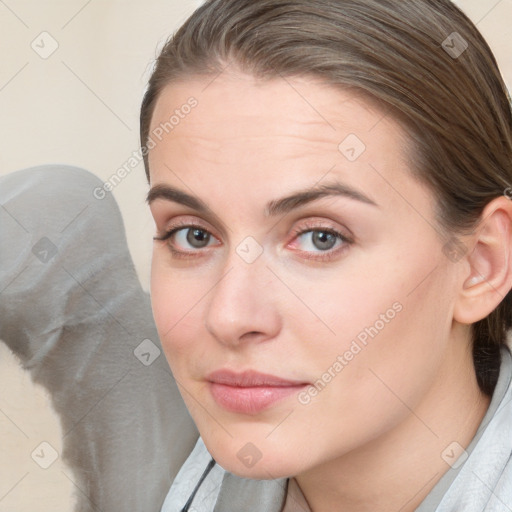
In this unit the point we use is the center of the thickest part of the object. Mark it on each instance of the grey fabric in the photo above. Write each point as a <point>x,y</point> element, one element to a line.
<point>482,484</point>
<point>432,501</point>
<point>198,463</point>
<point>73,311</point>
<point>221,491</point>
<point>242,494</point>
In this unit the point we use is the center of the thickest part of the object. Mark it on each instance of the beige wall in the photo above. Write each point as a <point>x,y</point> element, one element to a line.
<point>80,106</point>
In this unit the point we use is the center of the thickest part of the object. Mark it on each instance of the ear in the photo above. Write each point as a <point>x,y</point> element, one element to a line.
<point>487,275</point>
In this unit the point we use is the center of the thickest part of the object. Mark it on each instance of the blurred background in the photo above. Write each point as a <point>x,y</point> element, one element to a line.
<point>71,81</point>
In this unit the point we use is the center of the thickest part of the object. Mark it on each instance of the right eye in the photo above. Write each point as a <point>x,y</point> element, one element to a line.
<point>185,240</point>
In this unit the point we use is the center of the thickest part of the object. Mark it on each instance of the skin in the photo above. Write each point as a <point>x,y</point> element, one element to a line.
<point>374,436</point>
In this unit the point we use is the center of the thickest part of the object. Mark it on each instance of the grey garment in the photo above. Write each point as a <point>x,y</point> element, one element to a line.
<point>221,491</point>
<point>483,483</point>
<point>74,313</point>
<point>503,386</point>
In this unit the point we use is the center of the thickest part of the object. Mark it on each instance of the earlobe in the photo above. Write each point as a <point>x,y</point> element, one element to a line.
<point>490,264</point>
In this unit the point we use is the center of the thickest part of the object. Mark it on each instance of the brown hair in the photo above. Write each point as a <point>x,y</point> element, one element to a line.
<point>423,59</point>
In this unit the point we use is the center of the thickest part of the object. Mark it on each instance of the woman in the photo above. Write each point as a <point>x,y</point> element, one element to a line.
<point>332,263</point>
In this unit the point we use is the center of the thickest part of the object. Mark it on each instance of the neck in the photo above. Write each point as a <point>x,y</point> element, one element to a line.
<point>397,470</point>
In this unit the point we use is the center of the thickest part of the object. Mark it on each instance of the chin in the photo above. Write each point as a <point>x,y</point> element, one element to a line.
<point>258,460</point>
<point>260,471</point>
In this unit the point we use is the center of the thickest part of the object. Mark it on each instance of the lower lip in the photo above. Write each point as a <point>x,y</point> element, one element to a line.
<point>250,400</point>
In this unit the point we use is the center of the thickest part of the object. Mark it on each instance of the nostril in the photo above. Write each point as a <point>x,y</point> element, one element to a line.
<point>251,335</point>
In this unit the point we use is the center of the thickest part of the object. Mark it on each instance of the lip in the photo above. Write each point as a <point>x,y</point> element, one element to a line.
<point>249,392</point>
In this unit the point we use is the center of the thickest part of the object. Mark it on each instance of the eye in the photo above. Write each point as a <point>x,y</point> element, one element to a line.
<point>196,237</point>
<point>319,242</point>
<point>185,240</point>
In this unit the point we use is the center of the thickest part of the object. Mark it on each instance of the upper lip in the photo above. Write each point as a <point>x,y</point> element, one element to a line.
<point>249,378</point>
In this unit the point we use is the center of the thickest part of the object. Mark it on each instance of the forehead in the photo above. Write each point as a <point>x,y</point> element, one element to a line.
<point>246,142</point>
<point>235,114</point>
<point>234,103</point>
<point>279,133</point>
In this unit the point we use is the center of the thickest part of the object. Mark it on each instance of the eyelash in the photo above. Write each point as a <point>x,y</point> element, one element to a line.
<point>321,256</point>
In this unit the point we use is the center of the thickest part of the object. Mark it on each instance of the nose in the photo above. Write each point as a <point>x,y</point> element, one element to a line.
<point>243,305</point>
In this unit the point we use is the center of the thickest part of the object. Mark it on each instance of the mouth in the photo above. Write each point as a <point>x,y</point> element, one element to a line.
<point>250,392</point>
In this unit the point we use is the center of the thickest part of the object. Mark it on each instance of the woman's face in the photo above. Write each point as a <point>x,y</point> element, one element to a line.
<point>304,296</point>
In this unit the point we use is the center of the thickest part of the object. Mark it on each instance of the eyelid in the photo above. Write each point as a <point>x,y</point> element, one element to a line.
<point>319,224</point>
<point>180,224</point>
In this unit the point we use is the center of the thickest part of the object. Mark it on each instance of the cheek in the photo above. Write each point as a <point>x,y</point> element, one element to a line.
<point>176,304</point>
<point>390,330</point>
<point>375,364</point>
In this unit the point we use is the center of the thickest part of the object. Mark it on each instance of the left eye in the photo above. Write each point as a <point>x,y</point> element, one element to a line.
<point>320,239</point>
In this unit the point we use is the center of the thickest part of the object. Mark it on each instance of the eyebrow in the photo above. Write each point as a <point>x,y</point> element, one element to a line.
<point>274,207</point>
